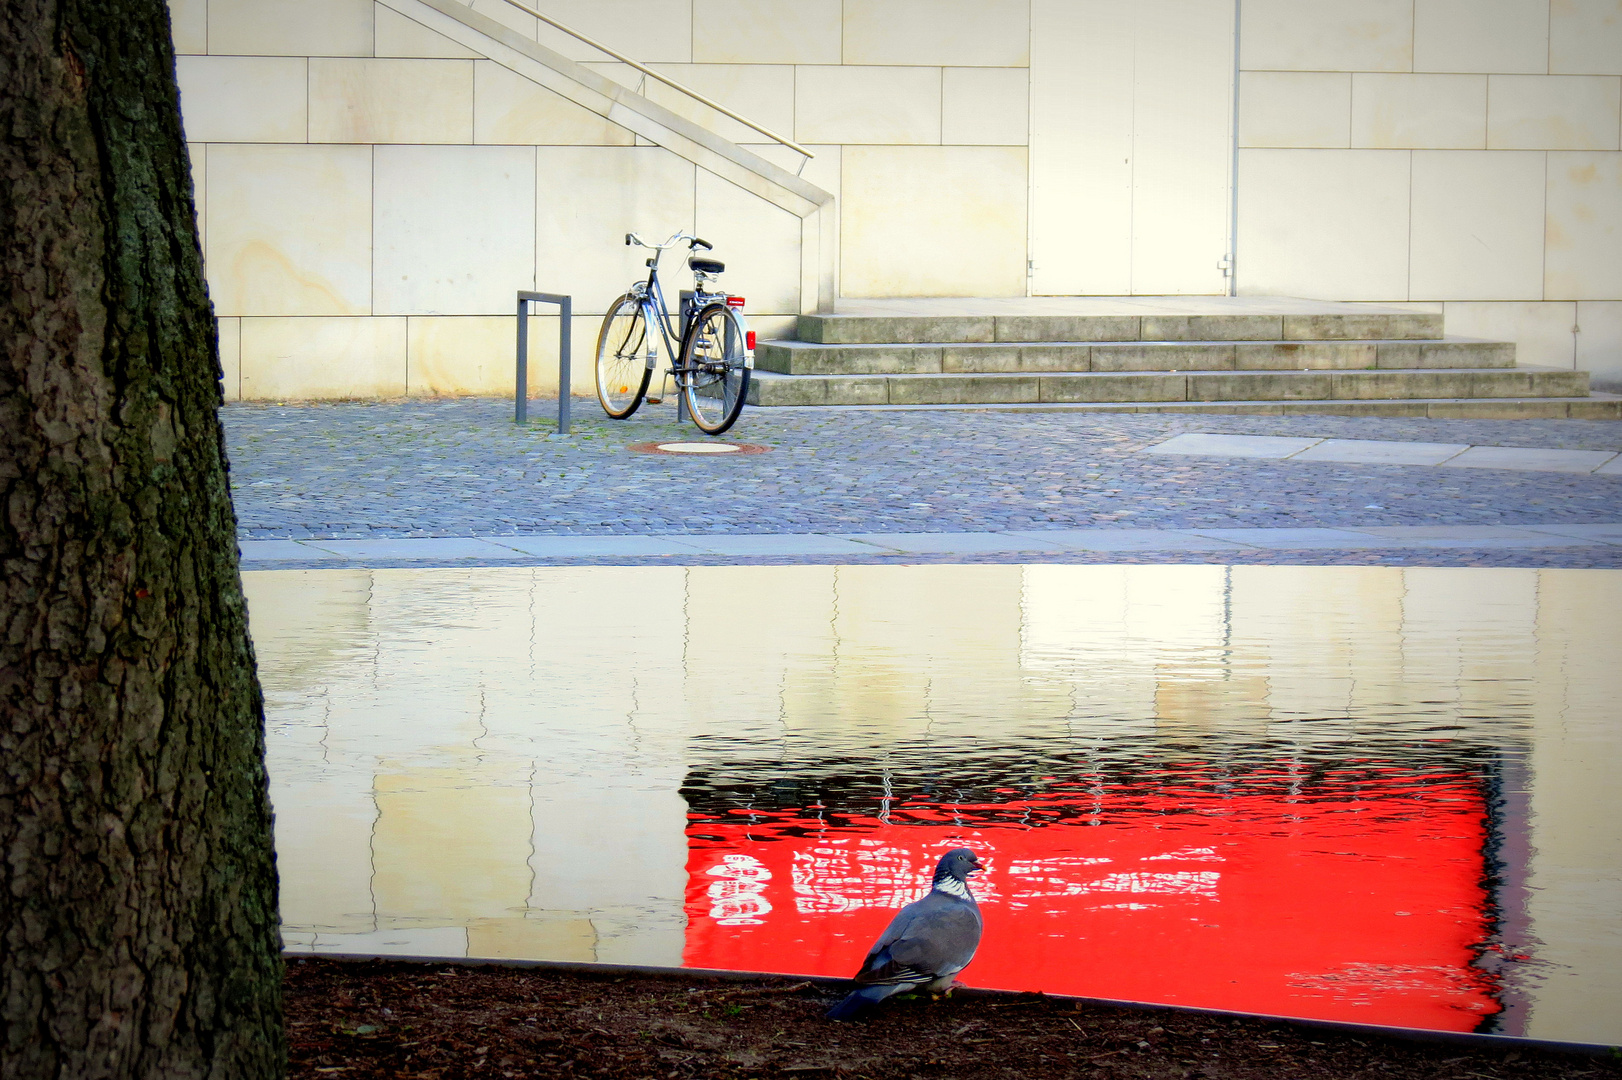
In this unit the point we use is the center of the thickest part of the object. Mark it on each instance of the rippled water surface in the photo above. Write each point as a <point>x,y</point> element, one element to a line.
<point>1364,793</point>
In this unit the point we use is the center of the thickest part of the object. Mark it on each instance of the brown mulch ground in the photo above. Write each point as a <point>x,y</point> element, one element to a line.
<point>376,1019</point>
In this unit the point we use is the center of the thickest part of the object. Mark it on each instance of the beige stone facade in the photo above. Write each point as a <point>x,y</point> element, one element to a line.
<point>1460,153</point>
<point>376,178</point>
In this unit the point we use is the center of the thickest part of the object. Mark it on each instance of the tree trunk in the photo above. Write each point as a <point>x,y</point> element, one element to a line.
<point>138,919</point>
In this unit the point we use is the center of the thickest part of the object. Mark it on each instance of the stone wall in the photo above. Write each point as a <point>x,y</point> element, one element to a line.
<point>373,193</point>
<point>1461,153</point>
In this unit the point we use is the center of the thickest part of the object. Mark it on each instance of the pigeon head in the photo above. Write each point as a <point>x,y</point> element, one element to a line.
<point>958,863</point>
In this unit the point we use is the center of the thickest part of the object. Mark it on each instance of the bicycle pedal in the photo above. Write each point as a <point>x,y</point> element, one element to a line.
<point>655,401</point>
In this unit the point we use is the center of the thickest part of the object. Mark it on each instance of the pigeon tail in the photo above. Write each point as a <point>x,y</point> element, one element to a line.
<point>859,1001</point>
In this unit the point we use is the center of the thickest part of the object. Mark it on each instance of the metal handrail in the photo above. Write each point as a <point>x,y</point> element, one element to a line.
<point>672,83</point>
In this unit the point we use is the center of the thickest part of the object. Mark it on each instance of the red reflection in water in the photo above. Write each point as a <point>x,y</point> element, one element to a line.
<point>1354,901</point>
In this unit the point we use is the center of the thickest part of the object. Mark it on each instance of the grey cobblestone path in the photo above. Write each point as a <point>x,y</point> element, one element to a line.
<point>462,468</point>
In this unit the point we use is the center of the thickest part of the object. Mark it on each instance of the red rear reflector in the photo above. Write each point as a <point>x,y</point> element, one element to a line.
<point>749,340</point>
<point>735,301</point>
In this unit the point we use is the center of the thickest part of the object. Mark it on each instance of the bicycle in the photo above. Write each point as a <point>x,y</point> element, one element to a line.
<point>716,353</point>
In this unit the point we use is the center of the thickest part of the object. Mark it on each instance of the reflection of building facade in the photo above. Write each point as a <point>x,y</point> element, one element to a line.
<point>376,177</point>
<point>504,762</point>
<point>1293,886</point>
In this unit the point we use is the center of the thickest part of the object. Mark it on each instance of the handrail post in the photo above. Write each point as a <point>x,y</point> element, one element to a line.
<point>565,349</point>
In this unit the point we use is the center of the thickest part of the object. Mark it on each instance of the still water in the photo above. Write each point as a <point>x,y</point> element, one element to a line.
<point>1365,793</point>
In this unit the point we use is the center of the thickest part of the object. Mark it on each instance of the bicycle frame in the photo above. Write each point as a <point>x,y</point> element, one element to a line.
<point>656,312</point>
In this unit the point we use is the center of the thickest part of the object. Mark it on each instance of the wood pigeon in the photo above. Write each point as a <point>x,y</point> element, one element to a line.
<point>927,943</point>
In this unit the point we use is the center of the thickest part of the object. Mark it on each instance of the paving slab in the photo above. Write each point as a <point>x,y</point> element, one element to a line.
<point>867,545</point>
<point>1132,540</point>
<point>1375,452</point>
<point>413,548</point>
<point>1610,468</point>
<point>955,543</point>
<point>1296,538</point>
<point>275,550</point>
<point>781,544</point>
<point>1600,534</point>
<point>565,547</point>
<point>1467,536</point>
<point>1530,458</point>
<point>1246,446</point>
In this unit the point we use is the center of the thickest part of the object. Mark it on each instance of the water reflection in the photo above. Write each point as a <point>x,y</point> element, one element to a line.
<point>1327,888</point>
<point>1363,793</point>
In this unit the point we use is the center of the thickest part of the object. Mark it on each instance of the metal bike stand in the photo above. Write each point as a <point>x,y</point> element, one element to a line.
<point>565,319</point>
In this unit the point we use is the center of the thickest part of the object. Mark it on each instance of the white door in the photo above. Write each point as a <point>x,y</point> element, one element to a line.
<point>1131,146</point>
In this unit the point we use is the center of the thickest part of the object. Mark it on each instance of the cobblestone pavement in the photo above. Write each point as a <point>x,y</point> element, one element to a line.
<point>462,468</point>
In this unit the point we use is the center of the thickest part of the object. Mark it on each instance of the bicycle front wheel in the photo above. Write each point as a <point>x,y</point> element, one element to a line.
<point>715,376</point>
<point>622,366</point>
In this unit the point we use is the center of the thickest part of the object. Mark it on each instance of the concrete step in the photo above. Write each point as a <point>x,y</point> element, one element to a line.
<point>808,358</point>
<point>771,388</point>
<point>1239,326</point>
<point>1596,407</point>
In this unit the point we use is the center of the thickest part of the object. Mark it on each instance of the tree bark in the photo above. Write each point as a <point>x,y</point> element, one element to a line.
<point>138,908</point>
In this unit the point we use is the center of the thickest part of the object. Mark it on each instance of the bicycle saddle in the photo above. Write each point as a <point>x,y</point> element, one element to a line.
<point>706,266</point>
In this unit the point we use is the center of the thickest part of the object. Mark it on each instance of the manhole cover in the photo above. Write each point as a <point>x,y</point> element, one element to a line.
<point>698,448</point>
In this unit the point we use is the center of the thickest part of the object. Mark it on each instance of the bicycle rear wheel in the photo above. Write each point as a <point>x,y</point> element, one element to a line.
<point>715,379</point>
<point>622,366</point>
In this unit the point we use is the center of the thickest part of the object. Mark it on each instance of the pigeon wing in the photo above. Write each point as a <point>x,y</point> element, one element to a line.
<point>878,957</point>
<point>928,938</point>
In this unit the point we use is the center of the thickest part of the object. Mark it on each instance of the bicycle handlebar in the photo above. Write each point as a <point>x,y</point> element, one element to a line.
<point>633,240</point>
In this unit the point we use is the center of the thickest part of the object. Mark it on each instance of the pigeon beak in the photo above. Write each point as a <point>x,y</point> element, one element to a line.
<point>978,865</point>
